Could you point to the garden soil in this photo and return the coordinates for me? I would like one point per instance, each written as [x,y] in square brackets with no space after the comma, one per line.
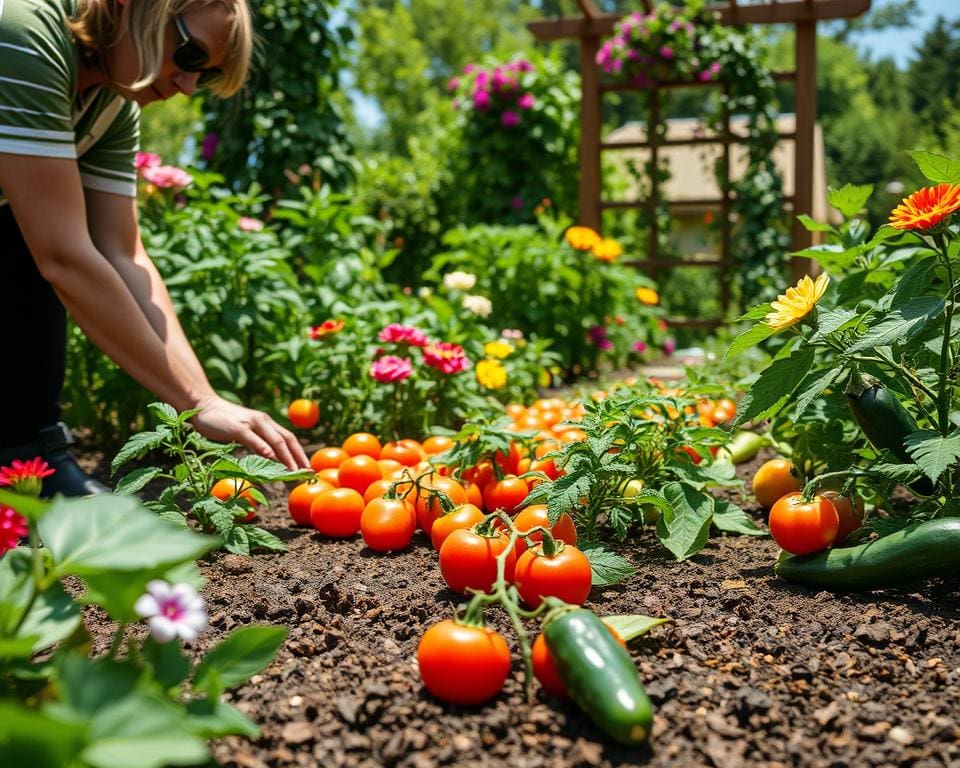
[751,671]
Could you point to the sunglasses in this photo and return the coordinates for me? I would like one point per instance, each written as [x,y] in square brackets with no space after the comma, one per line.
[190,56]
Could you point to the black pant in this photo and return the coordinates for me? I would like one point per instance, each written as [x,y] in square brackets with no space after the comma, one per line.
[33,348]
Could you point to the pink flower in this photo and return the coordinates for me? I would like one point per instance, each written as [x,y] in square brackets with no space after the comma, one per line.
[248,224]
[517,203]
[167,177]
[605,345]
[208,146]
[391,368]
[468,68]
[526,101]
[403,334]
[172,610]
[481,100]
[146,160]
[669,347]
[13,527]
[446,357]
[453,83]
[666,52]
[509,118]
[25,476]
[483,77]
[640,346]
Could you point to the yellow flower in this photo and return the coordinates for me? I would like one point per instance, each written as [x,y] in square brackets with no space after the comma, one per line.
[582,238]
[647,296]
[790,308]
[498,349]
[607,250]
[491,374]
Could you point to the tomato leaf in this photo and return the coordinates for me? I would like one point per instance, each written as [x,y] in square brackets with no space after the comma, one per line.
[258,537]
[813,226]
[138,445]
[136,480]
[730,518]
[933,452]
[901,324]
[630,626]
[684,528]
[774,385]
[608,567]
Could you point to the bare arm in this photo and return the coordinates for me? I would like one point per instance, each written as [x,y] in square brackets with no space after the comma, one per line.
[121,303]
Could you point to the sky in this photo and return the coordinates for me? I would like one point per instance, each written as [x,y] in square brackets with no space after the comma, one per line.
[900,43]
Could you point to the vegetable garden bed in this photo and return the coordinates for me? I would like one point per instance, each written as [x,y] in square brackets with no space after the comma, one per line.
[751,671]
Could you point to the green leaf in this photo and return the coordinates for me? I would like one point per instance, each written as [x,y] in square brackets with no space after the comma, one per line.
[749,338]
[730,518]
[28,506]
[114,533]
[264,539]
[630,626]
[685,527]
[900,325]
[136,480]
[215,719]
[236,541]
[757,312]
[138,445]
[813,226]
[258,469]
[933,452]
[850,199]
[36,739]
[914,281]
[242,654]
[831,320]
[936,167]
[608,567]
[164,412]
[170,667]
[811,388]
[774,386]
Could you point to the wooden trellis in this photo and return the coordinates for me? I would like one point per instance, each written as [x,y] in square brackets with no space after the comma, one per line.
[594,25]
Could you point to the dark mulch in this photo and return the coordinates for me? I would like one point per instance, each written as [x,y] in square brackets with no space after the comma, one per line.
[751,672]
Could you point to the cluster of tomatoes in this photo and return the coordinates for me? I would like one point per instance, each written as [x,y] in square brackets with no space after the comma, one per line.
[800,525]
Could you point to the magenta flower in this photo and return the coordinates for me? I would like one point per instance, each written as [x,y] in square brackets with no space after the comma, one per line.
[453,83]
[669,347]
[517,203]
[249,224]
[640,347]
[481,100]
[13,527]
[144,160]
[509,118]
[167,177]
[25,476]
[666,52]
[526,101]
[597,333]
[173,610]
[391,368]
[208,147]
[483,77]
[446,357]
[403,334]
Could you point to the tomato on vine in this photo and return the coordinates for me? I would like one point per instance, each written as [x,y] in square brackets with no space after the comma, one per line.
[536,515]
[463,517]
[387,525]
[563,572]
[468,559]
[775,478]
[227,488]
[463,664]
[802,527]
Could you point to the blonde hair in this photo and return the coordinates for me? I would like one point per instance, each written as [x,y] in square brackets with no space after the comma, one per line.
[98,25]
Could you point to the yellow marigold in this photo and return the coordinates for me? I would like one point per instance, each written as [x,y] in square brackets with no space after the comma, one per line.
[498,349]
[794,305]
[582,238]
[647,296]
[607,250]
[491,374]
[926,208]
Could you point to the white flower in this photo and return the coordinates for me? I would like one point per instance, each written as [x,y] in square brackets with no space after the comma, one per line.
[173,610]
[459,281]
[424,292]
[479,305]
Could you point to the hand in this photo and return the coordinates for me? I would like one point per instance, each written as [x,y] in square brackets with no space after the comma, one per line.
[226,422]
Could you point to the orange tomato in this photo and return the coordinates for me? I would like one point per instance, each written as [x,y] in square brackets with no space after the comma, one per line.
[389,466]
[377,488]
[405,454]
[506,494]
[803,527]
[301,497]
[536,515]
[328,457]
[330,475]
[233,487]
[437,444]
[336,512]
[362,443]
[303,414]
[464,516]
[387,524]
[358,472]
[775,478]
[428,504]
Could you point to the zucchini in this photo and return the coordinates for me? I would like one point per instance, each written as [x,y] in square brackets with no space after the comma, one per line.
[919,551]
[599,674]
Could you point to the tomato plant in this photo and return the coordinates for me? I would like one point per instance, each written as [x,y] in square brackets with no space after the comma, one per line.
[801,527]
[468,559]
[775,478]
[563,573]
[463,664]
[303,414]
[387,524]
[228,488]
[336,512]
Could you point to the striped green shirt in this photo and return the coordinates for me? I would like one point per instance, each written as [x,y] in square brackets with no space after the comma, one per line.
[41,113]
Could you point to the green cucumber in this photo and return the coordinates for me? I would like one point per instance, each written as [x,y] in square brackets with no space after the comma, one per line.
[919,551]
[599,674]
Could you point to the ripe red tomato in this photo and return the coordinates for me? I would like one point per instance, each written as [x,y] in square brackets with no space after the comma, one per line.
[802,527]
[464,516]
[358,472]
[301,497]
[428,504]
[566,575]
[536,515]
[362,443]
[695,457]
[507,494]
[387,524]
[227,488]
[469,560]
[461,664]
[407,454]
[850,514]
[303,414]
[337,512]
[329,457]
[376,489]
[775,478]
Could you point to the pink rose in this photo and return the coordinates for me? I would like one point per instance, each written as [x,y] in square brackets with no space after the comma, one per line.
[144,160]
[403,334]
[391,368]
[167,177]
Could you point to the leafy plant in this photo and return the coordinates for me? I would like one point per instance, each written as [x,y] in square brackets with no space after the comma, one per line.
[186,498]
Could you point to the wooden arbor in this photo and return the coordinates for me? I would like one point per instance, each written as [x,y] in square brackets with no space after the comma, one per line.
[593,25]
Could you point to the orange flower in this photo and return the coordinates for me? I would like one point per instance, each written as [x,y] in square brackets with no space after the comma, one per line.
[326,328]
[607,250]
[582,238]
[926,208]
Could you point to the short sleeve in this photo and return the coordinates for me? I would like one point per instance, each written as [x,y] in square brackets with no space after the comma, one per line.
[37,81]
[108,166]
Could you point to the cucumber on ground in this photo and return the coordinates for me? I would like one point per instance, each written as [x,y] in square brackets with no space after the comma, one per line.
[599,674]
[919,551]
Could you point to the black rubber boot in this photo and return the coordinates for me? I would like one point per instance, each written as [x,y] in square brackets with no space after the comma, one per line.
[52,446]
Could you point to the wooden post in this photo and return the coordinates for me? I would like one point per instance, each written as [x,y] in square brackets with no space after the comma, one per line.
[590,118]
[806,109]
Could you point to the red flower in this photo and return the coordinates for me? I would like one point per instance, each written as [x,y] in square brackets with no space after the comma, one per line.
[326,328]
[446,357]
[25,476]
[927,207]
[13,527]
